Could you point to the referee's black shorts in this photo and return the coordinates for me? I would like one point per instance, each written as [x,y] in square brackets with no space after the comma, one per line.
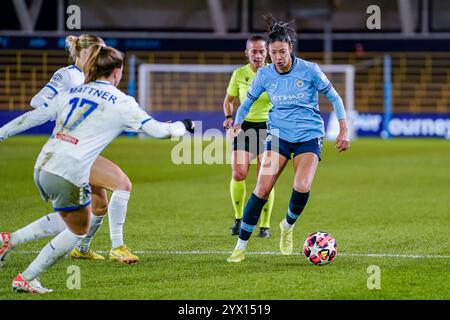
[252,138]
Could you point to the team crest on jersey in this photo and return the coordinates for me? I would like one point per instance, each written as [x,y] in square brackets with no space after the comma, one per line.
[57,77]
[299,83]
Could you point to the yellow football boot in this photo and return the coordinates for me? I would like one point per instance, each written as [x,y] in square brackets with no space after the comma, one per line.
[236,256]
[90,255]
[286,240]
[123,254]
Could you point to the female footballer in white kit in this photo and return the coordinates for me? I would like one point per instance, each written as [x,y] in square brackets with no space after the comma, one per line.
[105,175]
[88,118]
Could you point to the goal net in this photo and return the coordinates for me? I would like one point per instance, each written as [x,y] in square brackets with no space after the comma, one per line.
[194,87]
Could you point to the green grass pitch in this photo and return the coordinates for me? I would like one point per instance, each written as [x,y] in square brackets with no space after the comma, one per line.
[387,203]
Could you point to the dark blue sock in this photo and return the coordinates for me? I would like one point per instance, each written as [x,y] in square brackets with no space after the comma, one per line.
[252,212]
[296,205]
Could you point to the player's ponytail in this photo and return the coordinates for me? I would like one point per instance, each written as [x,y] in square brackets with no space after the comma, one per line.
[101,62]
[279,30]
[91,61]
[74,45]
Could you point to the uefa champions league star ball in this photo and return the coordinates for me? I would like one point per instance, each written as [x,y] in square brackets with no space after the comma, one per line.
[320,248]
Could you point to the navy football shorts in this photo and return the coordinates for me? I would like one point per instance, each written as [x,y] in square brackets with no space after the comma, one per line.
[286,148]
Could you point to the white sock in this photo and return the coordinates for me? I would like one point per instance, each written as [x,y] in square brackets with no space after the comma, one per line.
[286,225]
[49,225]
[117,213]
[56,249]
[96,221]
[241,244]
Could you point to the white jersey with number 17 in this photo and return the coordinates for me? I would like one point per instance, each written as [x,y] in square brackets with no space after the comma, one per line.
[88,118]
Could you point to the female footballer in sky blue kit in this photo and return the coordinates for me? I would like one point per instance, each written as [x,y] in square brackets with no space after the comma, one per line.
[295,126]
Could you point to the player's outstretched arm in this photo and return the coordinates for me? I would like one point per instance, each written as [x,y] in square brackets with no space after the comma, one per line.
[241,113]
[163,130]
[243,110]
[26,121]
[59,81]
[43,96]
[342,140]
[136,118]
[254,91]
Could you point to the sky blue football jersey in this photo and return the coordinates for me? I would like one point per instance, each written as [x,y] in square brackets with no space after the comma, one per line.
[295,115]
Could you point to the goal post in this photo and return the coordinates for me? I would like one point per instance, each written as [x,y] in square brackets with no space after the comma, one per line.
[348,92]
[202,87]
[149,73]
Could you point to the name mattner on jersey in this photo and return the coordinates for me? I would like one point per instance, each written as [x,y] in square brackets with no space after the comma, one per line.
[102,94]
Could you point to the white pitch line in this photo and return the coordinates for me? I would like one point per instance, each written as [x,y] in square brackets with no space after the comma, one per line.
[342,254]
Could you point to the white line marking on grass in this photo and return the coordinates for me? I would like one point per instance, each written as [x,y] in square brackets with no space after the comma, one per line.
[342,254]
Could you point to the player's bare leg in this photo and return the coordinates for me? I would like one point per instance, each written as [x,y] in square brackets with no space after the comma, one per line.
[106,174]
[99,209]
[77,222]
[272,165]
[305,166]
[50,225]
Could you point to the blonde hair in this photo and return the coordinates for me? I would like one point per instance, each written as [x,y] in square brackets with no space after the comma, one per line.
[101,62]
[74,45]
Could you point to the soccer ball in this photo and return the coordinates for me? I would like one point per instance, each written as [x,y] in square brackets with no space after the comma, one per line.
[320,248]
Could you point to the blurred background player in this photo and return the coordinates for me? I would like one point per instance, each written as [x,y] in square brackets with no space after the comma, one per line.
[105,174]
[292,85]
[245,151]
[63,167]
